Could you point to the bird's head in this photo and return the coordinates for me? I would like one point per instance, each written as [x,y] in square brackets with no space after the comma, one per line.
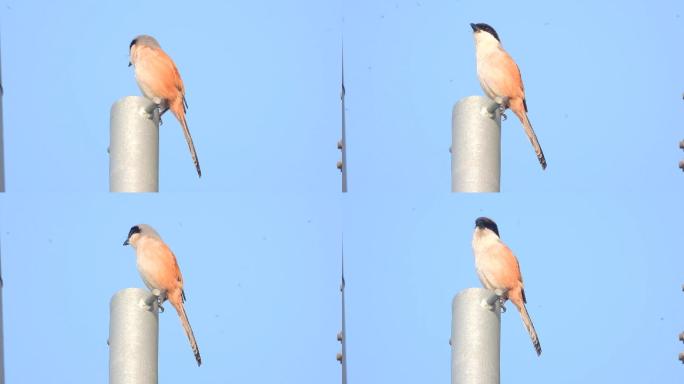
[482,28]
[138,231]
[141,41]
[485,222]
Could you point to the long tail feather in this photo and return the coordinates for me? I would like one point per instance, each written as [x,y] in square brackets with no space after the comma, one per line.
[188,331]
[180,114]
[530,329]
[532,136]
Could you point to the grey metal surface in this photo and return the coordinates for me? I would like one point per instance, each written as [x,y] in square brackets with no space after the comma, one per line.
[475,145]
[475,337]
[134,146]
[133,337]
[342,145]
[343,333]
[681,335]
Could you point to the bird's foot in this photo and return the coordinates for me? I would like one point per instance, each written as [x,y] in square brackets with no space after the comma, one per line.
[160,297]
[503,105]
[160,301]
[158,109]
[161,111]
[501,295]
[150,111]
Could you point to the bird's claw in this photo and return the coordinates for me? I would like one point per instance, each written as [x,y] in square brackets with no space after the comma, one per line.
[161,112]
[503,105]
[160,301]
[502,301]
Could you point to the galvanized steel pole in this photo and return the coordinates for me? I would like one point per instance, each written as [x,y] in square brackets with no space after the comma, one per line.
[133,337]
[134,145]
[681,338]
[475,337]
[342,144]
[342,336]
[475,145]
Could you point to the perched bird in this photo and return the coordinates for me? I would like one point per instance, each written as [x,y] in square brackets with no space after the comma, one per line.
[160,81]
[159,270]
[500,77]
[497,268]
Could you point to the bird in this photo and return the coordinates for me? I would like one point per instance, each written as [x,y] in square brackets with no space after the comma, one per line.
[159,270]
[500,78]
[160,81]
[498,269]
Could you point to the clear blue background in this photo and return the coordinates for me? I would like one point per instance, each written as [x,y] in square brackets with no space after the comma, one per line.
[258,238]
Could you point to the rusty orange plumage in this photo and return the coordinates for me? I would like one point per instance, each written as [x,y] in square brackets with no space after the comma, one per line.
[500,77]
[159,80]
[159,269]
[498,269]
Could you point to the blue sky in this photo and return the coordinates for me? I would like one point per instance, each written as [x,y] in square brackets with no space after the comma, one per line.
[258,238]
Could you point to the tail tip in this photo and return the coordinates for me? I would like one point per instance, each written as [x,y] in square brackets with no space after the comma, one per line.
[542,161]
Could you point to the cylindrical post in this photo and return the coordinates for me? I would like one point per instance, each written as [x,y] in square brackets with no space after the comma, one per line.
[342,336]
[133,337]
[475,337]
[134,145]
[342,145]
[475,145]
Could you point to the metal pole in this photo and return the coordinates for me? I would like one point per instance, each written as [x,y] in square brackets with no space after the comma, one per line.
[134,145]
[2,145]
[133,337]
[681,338]
[342,144]
[475,337]
[342,336]
[475,145]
